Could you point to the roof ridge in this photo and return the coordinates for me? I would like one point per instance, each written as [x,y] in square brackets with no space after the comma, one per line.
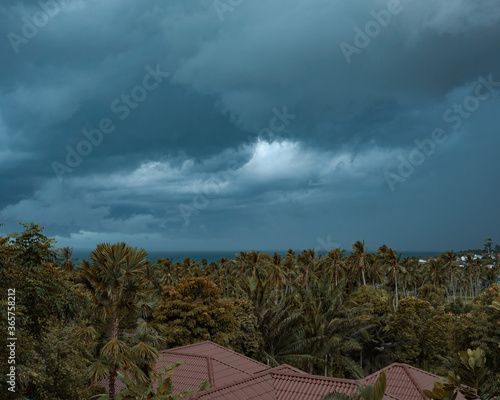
[378,372]
[412,378]
[316,377]
[221,347]
[211,376]
[232,366]
[235,352]
[189,345]
[251,377]
[295,369]
[423,371]
[273,375]
[210,361]
[180,353]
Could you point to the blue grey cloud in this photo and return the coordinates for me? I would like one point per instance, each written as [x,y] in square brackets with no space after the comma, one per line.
[239,125]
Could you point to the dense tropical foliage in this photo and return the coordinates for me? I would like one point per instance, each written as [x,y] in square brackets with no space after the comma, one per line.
[336,314]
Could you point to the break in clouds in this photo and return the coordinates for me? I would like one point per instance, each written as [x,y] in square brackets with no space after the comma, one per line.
[251,124]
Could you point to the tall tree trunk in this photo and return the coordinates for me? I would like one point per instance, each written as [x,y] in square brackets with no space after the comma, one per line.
[113,336]
[396,278]
[112,379]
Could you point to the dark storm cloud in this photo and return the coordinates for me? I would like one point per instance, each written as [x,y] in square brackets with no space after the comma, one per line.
[173,167]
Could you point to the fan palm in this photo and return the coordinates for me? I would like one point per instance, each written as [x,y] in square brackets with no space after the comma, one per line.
[64,255]
[120,294]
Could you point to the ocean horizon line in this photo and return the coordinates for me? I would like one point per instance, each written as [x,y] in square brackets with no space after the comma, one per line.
[216,255]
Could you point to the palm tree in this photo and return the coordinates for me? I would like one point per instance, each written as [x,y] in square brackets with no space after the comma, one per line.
[359,259]
[309,267]
[219,274]
[478,272]
[433,271]
[289,266]
[391,261]
[165,274]
[336,264]
[252,264]
[329,332]
[120,292]
[65,254]
[279,316]
[491,273]
[373,272]
[461,280]
[410,274]
[190,267]
[276,273]
[449,265]
[146,391]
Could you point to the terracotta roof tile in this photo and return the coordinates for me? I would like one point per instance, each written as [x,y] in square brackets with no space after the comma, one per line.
[222,354]
[406,381]
[188,376]
[205,362]
[281,384]
[257,387]
[233,376]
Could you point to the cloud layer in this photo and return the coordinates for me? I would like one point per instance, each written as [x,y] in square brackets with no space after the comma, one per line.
[247,126]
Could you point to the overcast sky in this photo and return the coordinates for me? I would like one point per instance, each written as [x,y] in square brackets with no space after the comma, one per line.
[252,124]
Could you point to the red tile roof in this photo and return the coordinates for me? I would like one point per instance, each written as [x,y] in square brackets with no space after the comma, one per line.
[233,376]
[205,362]
[223,355]
[282,383]
[406,381]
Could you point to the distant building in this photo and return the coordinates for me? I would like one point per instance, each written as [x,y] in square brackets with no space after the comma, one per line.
[475,257]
